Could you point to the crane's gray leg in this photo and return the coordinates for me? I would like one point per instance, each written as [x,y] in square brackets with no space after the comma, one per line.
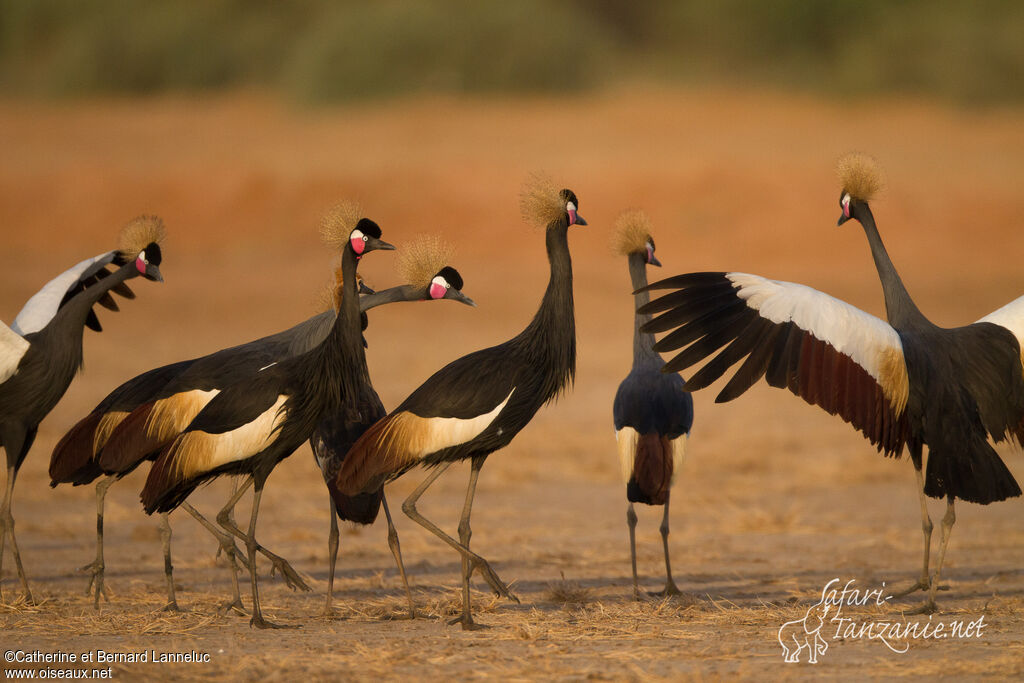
[96,567]
[396,550]
[165,539]
[226,543]
[631,521]
[332,557]
[465,534]
[948,520]
[670,584]
[922,583]
[251,546]
[226,519]
[409,508]
[7,529]
[17,442]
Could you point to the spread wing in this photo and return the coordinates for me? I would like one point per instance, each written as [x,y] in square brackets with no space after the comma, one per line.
[44,304]
[825,351]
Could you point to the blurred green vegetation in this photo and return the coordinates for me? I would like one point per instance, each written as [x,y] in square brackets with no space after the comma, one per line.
[321,50]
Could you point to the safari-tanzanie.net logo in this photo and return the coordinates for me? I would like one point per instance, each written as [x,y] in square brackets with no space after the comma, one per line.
[825,622]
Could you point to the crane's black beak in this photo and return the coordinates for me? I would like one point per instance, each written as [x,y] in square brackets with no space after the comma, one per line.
[153,273]
[376,243]
[653,261]
[842,219]
[365,288]
[456,295]
[579,220]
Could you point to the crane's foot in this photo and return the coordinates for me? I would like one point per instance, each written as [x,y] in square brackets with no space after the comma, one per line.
[290,576]
[921,584]
[172,606]
[240,560]
[466,619]
[96,585]
[259,622]
[233,607]
[497,585]
[670,590]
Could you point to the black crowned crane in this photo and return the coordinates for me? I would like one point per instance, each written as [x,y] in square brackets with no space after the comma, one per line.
[40,357]
[475,405]
[652,412]
[905,381]
[257,421]
[423,265]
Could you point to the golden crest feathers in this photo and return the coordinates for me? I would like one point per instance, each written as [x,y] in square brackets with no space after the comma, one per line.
[420,259]
[860,175]
[540,201]
[632,230]
[338,223]
[139,233]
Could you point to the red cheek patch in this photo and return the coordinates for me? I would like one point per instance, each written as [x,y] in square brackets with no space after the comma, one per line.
[436,291]
[358,245]
[140,265]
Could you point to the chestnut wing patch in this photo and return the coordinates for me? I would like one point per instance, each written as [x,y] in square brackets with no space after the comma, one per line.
[829,353]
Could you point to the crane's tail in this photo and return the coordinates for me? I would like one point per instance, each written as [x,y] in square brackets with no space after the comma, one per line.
[653,469]
[361,508]
[976,474]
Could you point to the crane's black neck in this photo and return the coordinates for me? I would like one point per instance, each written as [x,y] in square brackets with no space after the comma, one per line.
[899,307]
[391,295]
[550,338]
[331,374]
[643,342]
[63,334]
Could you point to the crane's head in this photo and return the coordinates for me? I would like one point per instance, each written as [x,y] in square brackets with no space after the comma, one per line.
[541,204]
[140,242]
[447,284]
[862,179]
[571,207]
[633,236]
[366,238]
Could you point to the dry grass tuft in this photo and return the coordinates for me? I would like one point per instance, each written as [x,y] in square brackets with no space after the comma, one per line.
[421,258]
[632,230]
[860,175]
[540,202]
[338,222]
[139,233]
[566,592]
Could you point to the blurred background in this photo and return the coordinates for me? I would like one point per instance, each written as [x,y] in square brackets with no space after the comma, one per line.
[326,51]
[241,122]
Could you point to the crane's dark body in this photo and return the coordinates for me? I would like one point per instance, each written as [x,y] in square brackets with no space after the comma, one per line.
[652,403]
[963,382]
[529,370]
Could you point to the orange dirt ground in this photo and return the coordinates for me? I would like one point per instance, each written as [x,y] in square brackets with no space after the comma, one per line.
[776,497]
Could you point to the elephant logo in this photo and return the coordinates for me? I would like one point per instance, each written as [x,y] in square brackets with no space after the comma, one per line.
[805,634]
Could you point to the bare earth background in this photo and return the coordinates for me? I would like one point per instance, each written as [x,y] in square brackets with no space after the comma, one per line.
[776,498]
